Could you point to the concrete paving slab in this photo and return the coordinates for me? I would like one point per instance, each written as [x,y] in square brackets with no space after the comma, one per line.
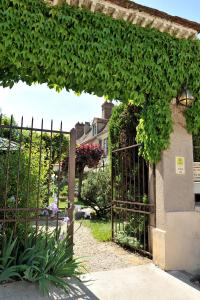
[145,282]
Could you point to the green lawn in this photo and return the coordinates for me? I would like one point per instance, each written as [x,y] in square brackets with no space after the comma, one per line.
[101,230]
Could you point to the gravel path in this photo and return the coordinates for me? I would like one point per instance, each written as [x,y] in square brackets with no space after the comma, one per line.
[102,256]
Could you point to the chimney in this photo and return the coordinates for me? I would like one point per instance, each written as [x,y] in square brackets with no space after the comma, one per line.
[107,110]
[79,130]
[87,127]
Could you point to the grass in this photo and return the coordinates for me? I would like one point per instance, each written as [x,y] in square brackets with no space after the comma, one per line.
[101,230]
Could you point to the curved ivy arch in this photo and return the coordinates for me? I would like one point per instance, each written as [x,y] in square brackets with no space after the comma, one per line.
[72,48]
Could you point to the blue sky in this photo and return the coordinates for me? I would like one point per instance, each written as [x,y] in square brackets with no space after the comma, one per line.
[40,102]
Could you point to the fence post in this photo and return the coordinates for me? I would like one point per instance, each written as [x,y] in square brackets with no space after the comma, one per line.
[71,183]
[112,208]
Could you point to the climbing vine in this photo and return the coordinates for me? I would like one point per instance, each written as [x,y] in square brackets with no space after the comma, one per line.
[72,48]
[122,126]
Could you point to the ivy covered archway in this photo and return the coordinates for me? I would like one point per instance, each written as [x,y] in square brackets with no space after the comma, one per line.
[72,48]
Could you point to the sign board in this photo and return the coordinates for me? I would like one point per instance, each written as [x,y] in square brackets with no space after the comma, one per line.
[196,171]
[180,165]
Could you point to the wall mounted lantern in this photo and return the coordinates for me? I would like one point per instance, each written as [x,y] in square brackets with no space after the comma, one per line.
[185,98]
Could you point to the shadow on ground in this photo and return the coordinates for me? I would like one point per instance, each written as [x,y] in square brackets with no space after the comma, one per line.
[27,291]
[186,278]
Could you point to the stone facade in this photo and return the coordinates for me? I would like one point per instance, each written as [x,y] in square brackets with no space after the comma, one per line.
[176,238]
[97,131]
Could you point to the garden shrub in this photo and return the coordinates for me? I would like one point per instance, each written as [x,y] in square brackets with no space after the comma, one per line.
[44,258]
[64,191]
[96,192]
[29,180]
[133,233]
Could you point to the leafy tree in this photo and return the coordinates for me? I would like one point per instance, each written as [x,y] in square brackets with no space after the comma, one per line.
[23,173]
[122,126]
[96,192]
[122,133]
[23,177]
[86,155]
[6,132]
[58,144]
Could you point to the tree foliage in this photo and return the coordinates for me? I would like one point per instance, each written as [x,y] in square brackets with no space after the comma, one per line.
[86,155]
[56,146]
[72,48]
[96,192]
[19,177]
[122,126]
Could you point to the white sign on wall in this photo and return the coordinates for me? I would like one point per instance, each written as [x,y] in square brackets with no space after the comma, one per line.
[196,171]
[180,165]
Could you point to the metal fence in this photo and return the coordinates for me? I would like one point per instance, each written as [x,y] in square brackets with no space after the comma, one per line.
[131,210]
[34,191]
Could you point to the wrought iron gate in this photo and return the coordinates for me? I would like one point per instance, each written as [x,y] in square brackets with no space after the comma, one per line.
[131,210]
[31,177]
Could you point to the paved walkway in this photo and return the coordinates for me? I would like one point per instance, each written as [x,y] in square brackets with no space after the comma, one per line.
[144,282]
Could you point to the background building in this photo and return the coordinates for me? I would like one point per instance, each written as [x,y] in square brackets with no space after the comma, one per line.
[97,131]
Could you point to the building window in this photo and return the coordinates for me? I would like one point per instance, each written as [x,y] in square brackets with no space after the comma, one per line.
[105,146]
[94,129]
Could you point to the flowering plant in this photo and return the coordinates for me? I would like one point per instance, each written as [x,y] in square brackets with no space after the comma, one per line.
[88,155]
[53,207]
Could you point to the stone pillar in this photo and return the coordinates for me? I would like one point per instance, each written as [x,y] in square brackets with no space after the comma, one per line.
[176,238]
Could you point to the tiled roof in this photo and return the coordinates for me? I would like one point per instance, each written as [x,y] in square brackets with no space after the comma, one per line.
[89,137]
[141,15]
[154,12]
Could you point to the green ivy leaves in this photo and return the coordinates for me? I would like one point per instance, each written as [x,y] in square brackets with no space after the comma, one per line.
[72,48]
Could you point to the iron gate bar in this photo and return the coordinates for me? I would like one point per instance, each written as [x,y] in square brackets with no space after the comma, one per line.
[126,148]
[49,171]
[14,184]
[133,202]
[130,210]
[133,210]
[18,176]
[34,129]
[39,172]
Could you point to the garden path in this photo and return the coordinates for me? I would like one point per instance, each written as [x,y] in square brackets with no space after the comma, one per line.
[102,256]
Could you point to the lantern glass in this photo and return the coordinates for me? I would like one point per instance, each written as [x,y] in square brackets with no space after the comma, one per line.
[185,98]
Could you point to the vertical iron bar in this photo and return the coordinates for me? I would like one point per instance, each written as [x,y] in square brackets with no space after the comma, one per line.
[18,176]
[139,192]
[59,171]
[39,176]
[112,198]
[143,178]
[134,169]
[29,168]
[71,183]
[49,175]
[7,172]
[144,233]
